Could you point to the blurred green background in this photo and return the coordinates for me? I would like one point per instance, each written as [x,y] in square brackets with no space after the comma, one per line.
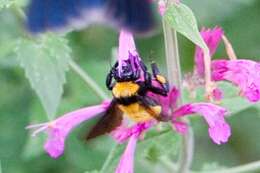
[92,48]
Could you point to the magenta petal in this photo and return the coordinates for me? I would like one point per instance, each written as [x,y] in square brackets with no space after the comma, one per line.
[212,37]
[58,129]
[123,133]
[220,133]
[173,97]
[126,47]
[170,101]
[219,130]
[126,164]
[243,73]
[217,94]
[180,127]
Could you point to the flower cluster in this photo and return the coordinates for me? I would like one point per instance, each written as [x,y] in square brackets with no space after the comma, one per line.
[243,73]
[214,115]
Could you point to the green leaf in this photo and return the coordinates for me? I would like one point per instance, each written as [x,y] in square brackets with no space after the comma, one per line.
[181,18]
[33,147]
[9,3]
[212,167]
[6,3]
[95,171]
[45,62]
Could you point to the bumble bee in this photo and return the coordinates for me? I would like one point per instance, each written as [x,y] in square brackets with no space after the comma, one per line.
[130,96]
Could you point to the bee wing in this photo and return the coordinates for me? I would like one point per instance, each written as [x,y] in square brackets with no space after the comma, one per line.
[55,15]
[107,123]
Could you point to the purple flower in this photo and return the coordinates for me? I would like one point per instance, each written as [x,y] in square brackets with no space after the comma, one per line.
[219,130]
[161,7]
[127,50]
[167,103]
[212,38]
[243,73]
[214,115]
[59,129]
[122,133]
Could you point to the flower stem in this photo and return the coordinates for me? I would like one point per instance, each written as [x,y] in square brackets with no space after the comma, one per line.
[174,77]
[229,49]
[109,158]
[254,166]
[89,81]
[167,162]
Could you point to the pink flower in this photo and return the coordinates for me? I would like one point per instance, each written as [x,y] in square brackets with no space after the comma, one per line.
[127,50]
[212,38]
[219,130]
[123,133]
[243,73]
[217,94]
[161,7]
[167,103]
[59,129]
[126,164]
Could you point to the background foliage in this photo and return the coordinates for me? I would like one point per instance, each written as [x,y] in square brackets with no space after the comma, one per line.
[91,49]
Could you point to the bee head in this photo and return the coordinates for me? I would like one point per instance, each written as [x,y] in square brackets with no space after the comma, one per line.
[127,73]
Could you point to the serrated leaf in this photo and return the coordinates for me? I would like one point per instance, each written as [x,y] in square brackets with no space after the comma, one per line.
[181,18]
[45,62]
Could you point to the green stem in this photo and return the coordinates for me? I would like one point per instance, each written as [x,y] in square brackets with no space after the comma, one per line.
[254,166]
[89,81]
[19,12]
[109,158]
[174,77]
[166,162]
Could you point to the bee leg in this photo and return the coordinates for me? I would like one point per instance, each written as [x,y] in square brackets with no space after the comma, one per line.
[110,76]
[143,66]
[159,78]
[149,104]
[157,90]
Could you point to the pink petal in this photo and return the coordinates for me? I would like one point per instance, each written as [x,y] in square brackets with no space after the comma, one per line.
[220,133]
[61,127]
[219,130]
[243,73]
[123,133]
[126,164]
[126,47]
[180,127]
[217,94]
[166,102]
[212,37]
[161,7]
